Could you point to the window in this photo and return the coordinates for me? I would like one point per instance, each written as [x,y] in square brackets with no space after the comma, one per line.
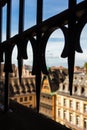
[85,108]
[30,106]
[77,106]
[85,123]
[59,101]
[77,120]
[59,113]
[65,102]
[75,77]
[21,99]
[30,98]
[46,87]
[15,99]
[65,114]
[63,86]
[71,104]
[82,90]
[71,117]
[25,98]
[75,89]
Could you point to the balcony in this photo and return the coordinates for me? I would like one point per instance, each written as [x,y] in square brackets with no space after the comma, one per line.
[23,118]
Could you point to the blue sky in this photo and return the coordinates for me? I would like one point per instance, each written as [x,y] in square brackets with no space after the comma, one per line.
[56,42]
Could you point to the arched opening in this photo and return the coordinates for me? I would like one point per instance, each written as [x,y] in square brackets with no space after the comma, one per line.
[63,86]
[29,62]
[54,49]
[82,90]
[80,58]
[14,55]
[75,89]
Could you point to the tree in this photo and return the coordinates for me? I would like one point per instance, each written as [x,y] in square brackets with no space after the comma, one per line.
[85,65]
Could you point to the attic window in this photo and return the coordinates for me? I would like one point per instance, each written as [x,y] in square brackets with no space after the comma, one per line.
[46,87]
[81,78]
[51,77]
[63,86]
[82,90]
[75,77]
[75,88]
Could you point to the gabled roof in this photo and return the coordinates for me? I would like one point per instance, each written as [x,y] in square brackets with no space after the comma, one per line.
[27,85]
[54,77]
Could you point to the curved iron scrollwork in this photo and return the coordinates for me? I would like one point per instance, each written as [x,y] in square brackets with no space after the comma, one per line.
[75,18]
[22,54]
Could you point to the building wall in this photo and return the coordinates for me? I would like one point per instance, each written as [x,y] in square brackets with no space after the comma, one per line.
[72,110]
[28,100]
[47,105]
[60,106]
[23,93]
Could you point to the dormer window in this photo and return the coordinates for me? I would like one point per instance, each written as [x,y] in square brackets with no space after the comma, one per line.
[46,87]
[75,89]
[82,90]
[63,86]
[75,77]
[81,78]
[51,77]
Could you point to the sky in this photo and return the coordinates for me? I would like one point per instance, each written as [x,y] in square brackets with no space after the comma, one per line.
[56,41]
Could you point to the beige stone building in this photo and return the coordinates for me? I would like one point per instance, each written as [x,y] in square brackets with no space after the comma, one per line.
[23,93]
[72,110]
[47,99]
[55,100]
[50,85]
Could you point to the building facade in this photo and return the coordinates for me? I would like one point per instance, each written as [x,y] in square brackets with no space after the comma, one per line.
[49,87]
[47,99]
[55,100]
[72,110]
[24,92]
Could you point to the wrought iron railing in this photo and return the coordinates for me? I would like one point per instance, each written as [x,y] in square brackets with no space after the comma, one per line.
[75,17]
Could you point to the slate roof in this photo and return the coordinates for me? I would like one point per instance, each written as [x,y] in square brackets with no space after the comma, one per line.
[27,85]
[55,77]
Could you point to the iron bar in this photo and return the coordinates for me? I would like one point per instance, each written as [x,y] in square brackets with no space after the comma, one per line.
[38,39]
[55,22]
[21,28]
[71,55]
[21,16]
[1,55]
[3,2]
[8,29]
[0,24]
